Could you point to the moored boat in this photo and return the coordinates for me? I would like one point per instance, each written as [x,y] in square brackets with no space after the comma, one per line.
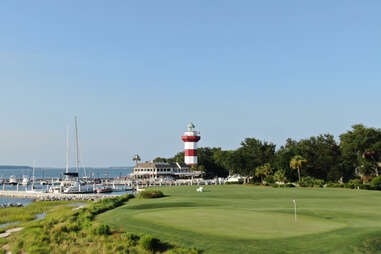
[104,190]
[12,180]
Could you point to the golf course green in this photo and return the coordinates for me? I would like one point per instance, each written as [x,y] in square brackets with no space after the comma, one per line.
[251,219]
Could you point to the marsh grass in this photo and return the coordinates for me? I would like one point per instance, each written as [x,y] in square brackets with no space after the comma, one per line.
[27,213]
[66,231]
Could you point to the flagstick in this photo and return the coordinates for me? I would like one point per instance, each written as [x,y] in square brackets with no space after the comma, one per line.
[294,201]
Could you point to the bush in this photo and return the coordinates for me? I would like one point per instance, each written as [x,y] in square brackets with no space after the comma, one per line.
[306,181]
[131,236]
[151,194]
[318,182]
[274,185]
[147,242]
[102,229]
[365,186]
[269,179]
[376,183]
[289,185]
[355,181]
[335,185]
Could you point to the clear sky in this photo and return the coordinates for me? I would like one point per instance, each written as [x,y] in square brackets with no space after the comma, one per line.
[137,72]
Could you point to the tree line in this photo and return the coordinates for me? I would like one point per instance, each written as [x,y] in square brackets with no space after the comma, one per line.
[357,153]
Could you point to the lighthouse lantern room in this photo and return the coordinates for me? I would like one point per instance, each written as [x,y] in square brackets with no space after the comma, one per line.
[190,138]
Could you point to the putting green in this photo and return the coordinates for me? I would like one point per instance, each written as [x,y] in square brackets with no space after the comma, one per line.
[237,223]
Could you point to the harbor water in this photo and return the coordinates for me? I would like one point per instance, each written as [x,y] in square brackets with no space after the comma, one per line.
[49,173]
[52,173]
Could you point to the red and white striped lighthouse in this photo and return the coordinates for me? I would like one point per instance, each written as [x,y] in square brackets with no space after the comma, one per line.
[190,138]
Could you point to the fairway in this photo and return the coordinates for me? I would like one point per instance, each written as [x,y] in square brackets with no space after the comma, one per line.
[240,224]
[250,219]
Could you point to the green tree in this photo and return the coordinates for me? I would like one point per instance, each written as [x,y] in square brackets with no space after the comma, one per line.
[252,154]
[297,163]
[361,150]
[136,158]
[263,171]
[280,176]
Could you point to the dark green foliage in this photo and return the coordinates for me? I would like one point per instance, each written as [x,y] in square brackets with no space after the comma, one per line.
[269,179]
[361,149]
[102,229]
[306,181]
[131,236]
[376,183]
[147,242]
[151,194]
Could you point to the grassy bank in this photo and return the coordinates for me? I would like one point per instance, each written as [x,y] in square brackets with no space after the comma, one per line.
[67,231]
[249,219]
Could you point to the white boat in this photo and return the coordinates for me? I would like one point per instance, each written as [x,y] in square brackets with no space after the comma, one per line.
[25,180]
[71,183]
[43,182]
[12,180]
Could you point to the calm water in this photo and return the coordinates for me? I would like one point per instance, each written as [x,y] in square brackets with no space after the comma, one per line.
[7,200]
[57,172]
[54,173]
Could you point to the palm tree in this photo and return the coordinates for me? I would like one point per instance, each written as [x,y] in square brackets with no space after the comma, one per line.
[136,158]
[297,162]
[263,171]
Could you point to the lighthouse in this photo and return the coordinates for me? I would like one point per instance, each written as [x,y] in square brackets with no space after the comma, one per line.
[190,138]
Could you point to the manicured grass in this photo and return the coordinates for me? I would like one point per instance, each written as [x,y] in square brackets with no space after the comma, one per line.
[249,219]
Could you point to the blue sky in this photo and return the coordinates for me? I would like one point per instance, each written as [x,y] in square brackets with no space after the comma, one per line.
[136,72]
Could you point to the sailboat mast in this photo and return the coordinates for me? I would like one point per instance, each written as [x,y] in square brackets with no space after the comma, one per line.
[67,148]
[76,145]
[34,168]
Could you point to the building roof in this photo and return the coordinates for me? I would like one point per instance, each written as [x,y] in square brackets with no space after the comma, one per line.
[151,164]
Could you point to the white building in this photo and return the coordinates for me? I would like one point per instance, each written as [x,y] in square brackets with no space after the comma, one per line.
[157,170]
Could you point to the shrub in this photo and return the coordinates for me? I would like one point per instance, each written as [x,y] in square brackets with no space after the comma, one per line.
[131,236]
[102,229]
[289,185]
[269,179]
[318,182]
[280,176]
[355,181]
[151,194]
[274,185]
[335,185]
[306,181]
[376,183]
[147,242]
[365,186]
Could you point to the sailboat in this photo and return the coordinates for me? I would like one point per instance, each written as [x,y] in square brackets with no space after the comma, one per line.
[71,183]
[25,180]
